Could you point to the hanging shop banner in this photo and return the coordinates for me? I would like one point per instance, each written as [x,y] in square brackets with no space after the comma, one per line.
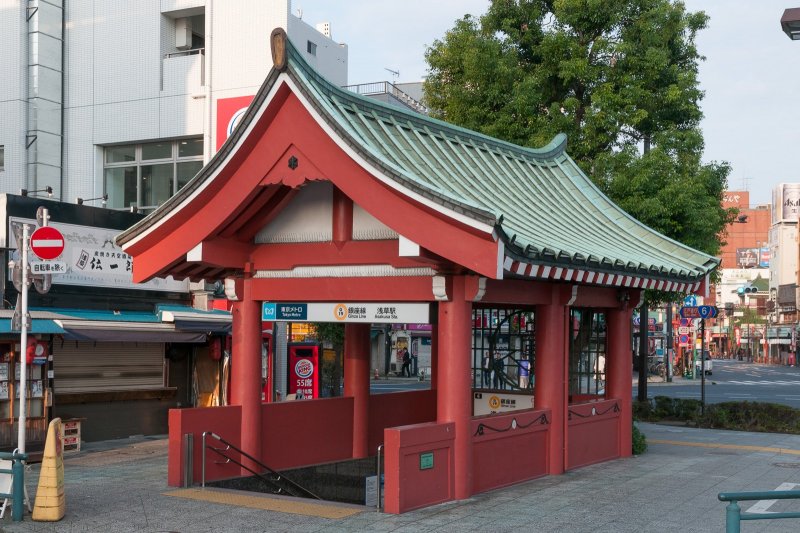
[367,313]
[304,371]
[747,257]
[91,258]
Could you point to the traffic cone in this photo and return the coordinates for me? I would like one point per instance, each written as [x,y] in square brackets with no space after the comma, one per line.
[50,504]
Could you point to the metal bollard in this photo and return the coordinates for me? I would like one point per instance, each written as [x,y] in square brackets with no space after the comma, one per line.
[188,459]
[18,489]
[733,517]
[378,505]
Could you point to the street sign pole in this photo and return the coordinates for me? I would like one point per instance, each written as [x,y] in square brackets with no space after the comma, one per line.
[702,366]
[23,371]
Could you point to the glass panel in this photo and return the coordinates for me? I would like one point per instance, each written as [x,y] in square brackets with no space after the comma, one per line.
[159,150]
[120,154]
[186,171]
[121,187]
[156,184]
[587,355]
[504,349]
[190,147]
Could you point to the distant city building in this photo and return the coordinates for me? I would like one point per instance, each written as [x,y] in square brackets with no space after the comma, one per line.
[129,99]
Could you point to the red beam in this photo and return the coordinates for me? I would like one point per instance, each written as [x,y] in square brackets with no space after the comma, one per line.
[403,289]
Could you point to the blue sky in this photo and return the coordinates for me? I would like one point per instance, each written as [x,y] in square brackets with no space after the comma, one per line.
[751,75]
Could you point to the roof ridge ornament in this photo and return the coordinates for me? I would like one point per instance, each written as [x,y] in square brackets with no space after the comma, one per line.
[277,41]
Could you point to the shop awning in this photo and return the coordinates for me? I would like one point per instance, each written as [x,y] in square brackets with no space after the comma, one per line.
[41,323]
[187,318]
[122,326]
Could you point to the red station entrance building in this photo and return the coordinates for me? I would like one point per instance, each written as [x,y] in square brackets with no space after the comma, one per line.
[324,196]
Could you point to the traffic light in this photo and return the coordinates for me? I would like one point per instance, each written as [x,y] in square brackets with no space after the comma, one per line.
[747,289]
[729,307]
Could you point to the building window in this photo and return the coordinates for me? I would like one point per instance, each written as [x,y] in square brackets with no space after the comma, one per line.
[2,158]
[311,48]
[587,354]
[146,175]
[503,349]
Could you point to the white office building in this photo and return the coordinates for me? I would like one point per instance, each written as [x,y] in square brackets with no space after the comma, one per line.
[129,98]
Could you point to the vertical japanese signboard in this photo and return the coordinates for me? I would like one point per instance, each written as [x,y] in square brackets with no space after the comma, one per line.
[304,360]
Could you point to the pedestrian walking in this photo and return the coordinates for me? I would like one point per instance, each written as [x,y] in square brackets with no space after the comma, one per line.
[524,373]
[499,366]
[406,370]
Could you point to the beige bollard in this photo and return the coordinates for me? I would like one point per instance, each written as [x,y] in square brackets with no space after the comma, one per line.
[50,504]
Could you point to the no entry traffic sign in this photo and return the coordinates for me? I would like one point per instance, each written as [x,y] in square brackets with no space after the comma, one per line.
[47,243]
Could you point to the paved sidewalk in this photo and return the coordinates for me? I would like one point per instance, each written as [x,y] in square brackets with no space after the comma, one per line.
[121,487]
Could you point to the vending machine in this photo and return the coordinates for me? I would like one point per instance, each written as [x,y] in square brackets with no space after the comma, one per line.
[304,370]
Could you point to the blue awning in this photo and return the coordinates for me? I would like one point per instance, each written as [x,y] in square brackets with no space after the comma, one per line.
[38,327]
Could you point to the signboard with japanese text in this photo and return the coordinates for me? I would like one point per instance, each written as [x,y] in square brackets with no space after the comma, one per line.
[367,313]
[489,403]
[93,259]
[303,372]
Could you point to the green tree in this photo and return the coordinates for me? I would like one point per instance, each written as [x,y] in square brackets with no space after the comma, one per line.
[618,76]
[332,335]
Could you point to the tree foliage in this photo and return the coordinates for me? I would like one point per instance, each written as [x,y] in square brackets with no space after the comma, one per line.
[619,77]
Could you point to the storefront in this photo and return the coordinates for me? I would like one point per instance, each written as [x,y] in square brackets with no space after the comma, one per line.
[110,353]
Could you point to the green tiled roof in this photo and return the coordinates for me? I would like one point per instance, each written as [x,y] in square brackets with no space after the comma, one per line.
[546,209]
[543,207]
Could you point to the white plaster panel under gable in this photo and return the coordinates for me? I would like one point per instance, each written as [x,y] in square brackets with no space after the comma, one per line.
[307,218]
[368,228]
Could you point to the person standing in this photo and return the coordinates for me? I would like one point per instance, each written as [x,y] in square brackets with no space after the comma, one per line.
[499,366]
[486,369]
[406,370]
[524,373]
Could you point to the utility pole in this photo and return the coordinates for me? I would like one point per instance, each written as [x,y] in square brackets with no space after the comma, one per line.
[668,351]
[644,326]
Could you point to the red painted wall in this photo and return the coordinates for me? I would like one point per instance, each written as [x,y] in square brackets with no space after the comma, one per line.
[398,409]
[592,433]
[306,432]
[503,455]
[407,487]
[224,421]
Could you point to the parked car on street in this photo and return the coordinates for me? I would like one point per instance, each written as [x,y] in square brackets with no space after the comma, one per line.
[709,366]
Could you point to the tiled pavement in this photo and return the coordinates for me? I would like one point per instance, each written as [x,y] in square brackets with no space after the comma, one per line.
[120,486]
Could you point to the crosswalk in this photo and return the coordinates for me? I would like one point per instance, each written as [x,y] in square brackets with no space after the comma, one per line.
[764,382]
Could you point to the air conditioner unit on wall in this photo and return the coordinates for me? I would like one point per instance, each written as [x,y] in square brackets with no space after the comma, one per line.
[183,33]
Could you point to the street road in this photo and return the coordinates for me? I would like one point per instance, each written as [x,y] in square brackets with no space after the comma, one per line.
[737,381]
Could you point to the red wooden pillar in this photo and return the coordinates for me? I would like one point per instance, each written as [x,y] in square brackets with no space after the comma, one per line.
[356,383]
[550,391]
[434,356]
[619,368]
[246,369]
[454,381]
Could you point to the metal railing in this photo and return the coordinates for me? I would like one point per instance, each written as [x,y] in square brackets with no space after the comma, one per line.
[182,53]
[385,87]
[733,513]
[275,479]
[378,482]
[17,471]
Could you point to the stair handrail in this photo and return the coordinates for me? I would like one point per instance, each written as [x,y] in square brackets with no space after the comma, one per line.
[228,459]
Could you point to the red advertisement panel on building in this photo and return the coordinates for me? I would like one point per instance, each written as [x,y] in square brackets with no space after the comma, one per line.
[229,114]
[303,372]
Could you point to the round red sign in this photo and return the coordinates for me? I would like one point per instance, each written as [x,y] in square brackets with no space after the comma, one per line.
[47,243]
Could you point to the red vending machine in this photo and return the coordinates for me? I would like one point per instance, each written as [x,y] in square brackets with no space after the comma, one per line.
[304,375]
